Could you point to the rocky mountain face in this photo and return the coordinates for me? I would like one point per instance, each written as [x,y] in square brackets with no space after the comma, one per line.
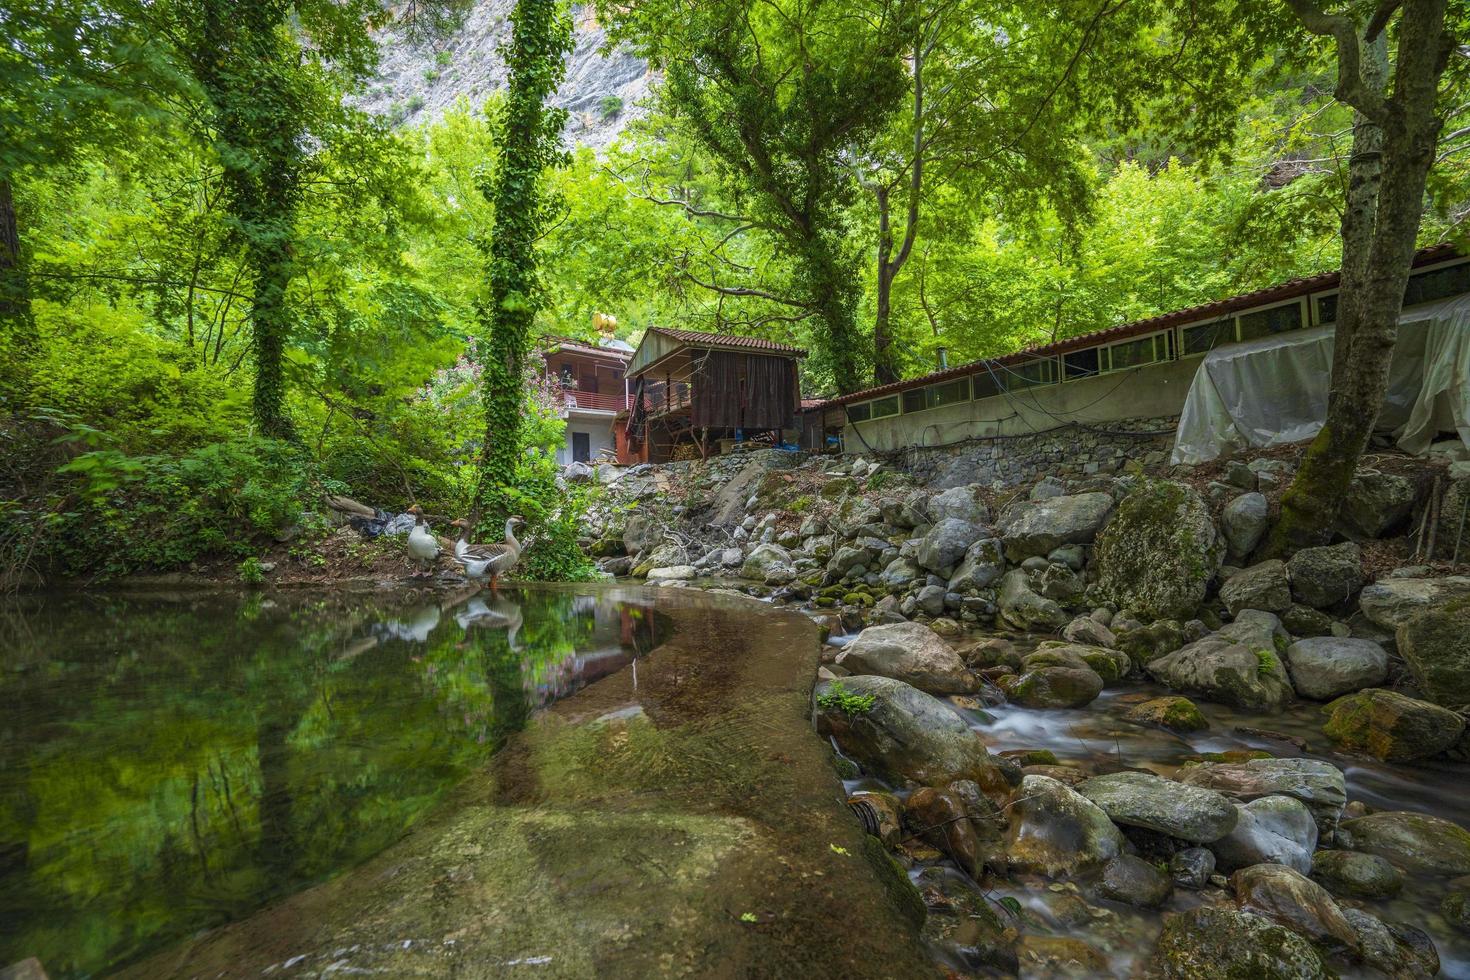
[419,80]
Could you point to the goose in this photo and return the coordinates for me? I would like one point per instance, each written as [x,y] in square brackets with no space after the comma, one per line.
[423,547]
[488,560]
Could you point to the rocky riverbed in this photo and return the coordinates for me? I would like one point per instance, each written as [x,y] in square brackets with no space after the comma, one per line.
[1103,733]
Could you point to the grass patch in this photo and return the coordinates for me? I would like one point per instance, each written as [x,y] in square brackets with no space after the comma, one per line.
[839,698]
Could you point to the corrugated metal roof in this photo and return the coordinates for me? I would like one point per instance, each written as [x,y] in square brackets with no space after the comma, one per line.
[1291,289]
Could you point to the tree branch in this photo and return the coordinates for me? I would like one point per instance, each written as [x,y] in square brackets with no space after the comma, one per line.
[1351,87]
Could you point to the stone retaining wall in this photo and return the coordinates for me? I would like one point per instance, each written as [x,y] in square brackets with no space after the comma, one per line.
[1067,451]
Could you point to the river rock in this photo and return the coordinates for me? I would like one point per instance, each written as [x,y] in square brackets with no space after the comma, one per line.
[1213,942]
[1130,879]
[1060,958]
[1023,609]
[1389,726]
[1085,629]
[1302,620]
[769,563]
[1036,527]
[1375,503]
[1318,784]
[1173,712]
[672,573]
[964,924]
[940,818]
[1055,830]
[1110,665]
[1354,874]
[1244,522]
[912,653]
[907,735]
[1326,576]
[1390,602]
[898,573]
[1145,644]
[983,563]
[1393,948]
[1455,906]
[1295,901]
[1413,841]
[1054,687]
[1435,643]
[1239,666]
[1272,829]
[1191,868]
[1324,667]
[1262,586]
[945,545]
[641,533]
[1159,551]
[1138,799]
[962,503]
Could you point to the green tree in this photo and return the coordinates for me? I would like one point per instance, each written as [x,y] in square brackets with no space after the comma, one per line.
[530,144]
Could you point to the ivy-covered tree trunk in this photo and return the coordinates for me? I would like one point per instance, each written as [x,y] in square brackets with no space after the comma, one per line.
[1394,143]
[270,327]
[530,141]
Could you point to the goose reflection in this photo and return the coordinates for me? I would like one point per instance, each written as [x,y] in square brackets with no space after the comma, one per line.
[492,612]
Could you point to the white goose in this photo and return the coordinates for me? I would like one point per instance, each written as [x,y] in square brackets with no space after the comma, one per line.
[423,547]
[491,561]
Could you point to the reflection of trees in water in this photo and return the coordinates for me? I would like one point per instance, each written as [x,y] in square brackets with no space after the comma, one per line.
[176,764]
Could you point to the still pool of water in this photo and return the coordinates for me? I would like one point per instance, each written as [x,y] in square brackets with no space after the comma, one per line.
[170,763]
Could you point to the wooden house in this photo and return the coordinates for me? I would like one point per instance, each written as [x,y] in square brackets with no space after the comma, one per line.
[593,394]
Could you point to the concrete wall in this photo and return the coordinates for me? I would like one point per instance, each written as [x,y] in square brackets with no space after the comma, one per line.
[598,429]
[1152,392]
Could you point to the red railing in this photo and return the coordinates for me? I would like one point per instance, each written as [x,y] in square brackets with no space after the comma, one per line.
[599,401]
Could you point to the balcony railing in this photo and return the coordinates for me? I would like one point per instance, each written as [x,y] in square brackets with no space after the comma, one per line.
[597,401]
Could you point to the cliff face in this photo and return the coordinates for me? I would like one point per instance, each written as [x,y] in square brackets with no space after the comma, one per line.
[418,80]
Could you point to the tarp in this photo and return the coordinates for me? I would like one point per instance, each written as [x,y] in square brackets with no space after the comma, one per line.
[1273,391]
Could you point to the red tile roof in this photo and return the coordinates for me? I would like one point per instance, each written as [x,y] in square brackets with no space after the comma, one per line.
[1291,289]
[574,346]
[706,339]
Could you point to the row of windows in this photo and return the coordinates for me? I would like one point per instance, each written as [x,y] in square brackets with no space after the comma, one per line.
[1168,345]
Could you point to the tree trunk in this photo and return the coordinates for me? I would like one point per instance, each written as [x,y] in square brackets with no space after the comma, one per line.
[884,371]
[1392,156]
[270,326]
[15,295]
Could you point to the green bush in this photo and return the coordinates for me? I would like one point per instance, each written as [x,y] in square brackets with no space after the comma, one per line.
[611,106]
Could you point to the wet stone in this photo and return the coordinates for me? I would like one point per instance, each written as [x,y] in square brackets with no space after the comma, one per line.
[1130,879]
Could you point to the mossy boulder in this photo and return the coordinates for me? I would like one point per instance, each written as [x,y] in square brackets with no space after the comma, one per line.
[1435,643]
[1357,875]
[1219,943]
[1416,842]
[1146,643]
[1172,712]
[1054,687]
[1159,551]
[1389,726]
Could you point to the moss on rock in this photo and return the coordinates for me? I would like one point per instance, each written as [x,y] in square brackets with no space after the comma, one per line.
[1159,551]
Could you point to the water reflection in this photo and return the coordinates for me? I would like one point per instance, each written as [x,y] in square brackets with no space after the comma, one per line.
[166,765]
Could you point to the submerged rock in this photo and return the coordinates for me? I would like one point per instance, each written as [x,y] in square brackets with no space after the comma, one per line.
[912,653]
[1061,957]
[1219,943]
[1055,830]
[1159,551]
[1394,949]
[1324,667]
[1318,784]
[906,735]
[1297,902]
[1173,712]
[1389,726]
[1435,643]
[1271,830]
[1413,841]
[1357,875]
[1137,799]
[1037,527]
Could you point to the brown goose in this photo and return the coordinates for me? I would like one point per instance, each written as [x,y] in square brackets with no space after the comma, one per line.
[491,561]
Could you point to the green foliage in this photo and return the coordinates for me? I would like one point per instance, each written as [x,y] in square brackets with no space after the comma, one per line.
[1266,662]
[838,698]
[611,106]
[251,573]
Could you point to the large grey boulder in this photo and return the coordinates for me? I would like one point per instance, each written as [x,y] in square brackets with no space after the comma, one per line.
[1390,726]
[1318,784]
[1324,667]
[1085,629]
[1435,643]
[1054,687]
[1159,551]
[1244,522]
[1416,842]
[1037,527]
[946,543]
[1239,666]
[769,563]
[1055,830]
[962,503]
[912,653]
[1216,942]
[906,735]
[899,573]
[1023,609]
[1376,503]
[1272,829]
[641,533]
[1390,602]
[1326,576]
[1287,896]
[1139,799]
[984,562]
[1261,586]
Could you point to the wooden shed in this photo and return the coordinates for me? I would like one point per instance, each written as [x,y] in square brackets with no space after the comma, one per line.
[698,394]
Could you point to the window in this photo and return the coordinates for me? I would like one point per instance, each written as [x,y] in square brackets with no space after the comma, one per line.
[1327,309]
[986,384]
[1205,337]
[1039,371]
[860,412]
[1426,287]
[884,407]
[1264,323]
[1132,353]
[913,400]
[1081,363]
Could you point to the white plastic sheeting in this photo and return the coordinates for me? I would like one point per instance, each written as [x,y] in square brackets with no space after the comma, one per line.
[1273,391]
